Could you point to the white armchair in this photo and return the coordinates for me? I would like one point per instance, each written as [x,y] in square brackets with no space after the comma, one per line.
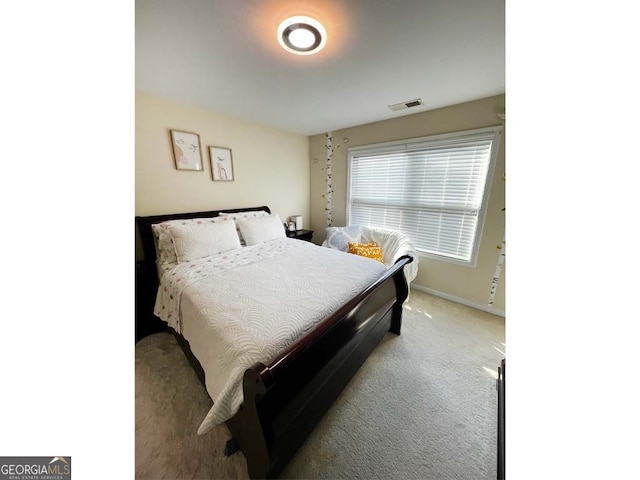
[393,244]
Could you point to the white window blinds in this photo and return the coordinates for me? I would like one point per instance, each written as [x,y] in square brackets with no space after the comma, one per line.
[430,189]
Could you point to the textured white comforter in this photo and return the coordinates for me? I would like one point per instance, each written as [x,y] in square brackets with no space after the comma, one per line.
[245,306]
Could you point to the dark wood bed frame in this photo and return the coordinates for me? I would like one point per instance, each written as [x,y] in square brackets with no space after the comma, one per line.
[285,399]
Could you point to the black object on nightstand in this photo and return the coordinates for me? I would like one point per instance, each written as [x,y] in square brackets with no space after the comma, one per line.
[301,234]
[146,289]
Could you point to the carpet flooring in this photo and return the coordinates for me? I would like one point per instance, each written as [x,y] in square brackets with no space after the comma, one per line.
[423,406]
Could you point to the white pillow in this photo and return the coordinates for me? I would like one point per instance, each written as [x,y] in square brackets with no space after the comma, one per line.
[244,216]
[339,237]
[165,250]
[261,229]
[198,240]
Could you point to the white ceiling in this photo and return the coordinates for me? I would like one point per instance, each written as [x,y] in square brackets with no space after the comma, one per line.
[222,55]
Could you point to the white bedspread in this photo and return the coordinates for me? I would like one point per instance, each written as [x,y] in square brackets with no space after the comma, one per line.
[245,306]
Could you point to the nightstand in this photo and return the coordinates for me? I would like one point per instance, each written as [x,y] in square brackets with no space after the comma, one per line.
[146,289]
[301,234]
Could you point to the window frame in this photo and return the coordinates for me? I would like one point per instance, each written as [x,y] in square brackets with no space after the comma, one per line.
[426,141]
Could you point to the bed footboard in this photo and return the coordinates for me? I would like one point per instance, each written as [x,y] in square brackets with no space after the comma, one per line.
[284,400]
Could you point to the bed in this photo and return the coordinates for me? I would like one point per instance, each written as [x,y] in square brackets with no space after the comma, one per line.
[272,375]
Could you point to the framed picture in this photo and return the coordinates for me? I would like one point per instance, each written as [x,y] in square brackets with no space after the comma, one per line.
[186,150]
[221,164]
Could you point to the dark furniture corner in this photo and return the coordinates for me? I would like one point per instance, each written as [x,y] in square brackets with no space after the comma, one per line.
[301,234]
[501,419]
[146,288]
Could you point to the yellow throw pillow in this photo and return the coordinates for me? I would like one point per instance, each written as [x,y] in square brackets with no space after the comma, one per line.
[369,250]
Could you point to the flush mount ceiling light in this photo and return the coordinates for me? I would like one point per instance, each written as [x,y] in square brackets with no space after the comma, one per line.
[302,35]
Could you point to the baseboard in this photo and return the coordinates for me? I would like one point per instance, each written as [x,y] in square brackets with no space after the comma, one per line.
[463,301]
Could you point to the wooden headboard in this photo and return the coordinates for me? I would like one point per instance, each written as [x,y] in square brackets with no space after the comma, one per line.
[146,234]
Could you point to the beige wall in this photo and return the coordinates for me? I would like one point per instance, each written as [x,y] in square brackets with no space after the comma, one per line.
[270,166]
[458,282]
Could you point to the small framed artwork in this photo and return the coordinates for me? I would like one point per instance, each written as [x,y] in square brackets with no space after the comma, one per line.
[221,163]
[186,150]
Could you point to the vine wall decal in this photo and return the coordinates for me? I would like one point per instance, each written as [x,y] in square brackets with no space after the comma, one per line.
[499,265]
[497,274]
[329,193]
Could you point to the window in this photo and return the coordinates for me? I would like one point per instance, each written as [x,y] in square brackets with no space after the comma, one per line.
[432,189]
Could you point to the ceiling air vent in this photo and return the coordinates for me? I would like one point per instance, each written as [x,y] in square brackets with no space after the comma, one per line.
[407,104]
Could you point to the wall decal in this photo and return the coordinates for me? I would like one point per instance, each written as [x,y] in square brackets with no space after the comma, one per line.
[329,195]
[497,274]
[499,265]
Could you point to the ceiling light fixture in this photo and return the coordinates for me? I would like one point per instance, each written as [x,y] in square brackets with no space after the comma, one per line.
[302,35]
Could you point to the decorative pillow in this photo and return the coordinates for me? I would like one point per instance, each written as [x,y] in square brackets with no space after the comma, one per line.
[244,216]
[339,237]
[198,240]
[165,250]
[369,250]
[261,229]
